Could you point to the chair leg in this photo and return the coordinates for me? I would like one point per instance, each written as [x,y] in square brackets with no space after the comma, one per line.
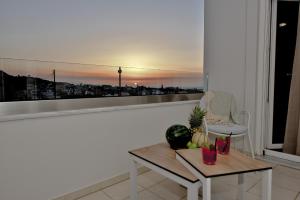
[251,146]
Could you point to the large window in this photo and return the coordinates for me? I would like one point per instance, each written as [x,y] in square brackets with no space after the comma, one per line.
[69,49]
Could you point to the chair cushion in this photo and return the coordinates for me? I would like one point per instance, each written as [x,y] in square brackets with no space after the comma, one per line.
[227,128]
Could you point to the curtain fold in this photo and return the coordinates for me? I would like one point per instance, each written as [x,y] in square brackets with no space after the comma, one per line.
[292,133]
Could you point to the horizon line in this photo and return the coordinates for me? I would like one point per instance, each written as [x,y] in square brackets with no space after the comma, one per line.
[93,84]
[89,64]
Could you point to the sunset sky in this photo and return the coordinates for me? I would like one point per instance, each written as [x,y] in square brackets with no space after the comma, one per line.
[149,34]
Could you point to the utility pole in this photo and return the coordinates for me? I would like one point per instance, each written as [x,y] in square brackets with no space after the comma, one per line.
[54,83]
[120,81]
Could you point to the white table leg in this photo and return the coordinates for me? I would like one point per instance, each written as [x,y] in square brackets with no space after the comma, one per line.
[241,183]
[192,192]
[206,185]
[133,180]
[267,185]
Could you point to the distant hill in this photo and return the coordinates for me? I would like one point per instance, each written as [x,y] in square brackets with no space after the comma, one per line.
[21,88]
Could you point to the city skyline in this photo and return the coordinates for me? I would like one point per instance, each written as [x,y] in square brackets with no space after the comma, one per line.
[28,88]
[85,73]
[136,34]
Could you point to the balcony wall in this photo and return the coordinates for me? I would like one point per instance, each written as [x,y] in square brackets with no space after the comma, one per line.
[47,157]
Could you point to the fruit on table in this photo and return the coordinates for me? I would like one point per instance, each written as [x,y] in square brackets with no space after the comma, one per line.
[199,137]
[178,136]
[196,117]
[192,145]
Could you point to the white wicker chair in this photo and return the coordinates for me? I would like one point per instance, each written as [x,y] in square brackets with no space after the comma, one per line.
[237,129]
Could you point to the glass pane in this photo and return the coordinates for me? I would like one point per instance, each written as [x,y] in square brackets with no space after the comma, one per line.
[23,80]
[158,44]
[287,22]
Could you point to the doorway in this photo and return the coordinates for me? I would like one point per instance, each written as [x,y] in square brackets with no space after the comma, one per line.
[283,41]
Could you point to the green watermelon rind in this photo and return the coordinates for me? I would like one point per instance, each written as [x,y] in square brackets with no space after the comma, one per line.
[178,135]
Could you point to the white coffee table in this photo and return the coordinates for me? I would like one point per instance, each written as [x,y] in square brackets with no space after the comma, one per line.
[161,159]
[234,163]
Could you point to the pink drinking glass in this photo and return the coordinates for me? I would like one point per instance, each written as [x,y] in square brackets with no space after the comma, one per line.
[223,146]
[209,156]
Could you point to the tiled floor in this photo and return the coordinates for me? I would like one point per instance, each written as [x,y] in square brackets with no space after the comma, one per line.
[152,186]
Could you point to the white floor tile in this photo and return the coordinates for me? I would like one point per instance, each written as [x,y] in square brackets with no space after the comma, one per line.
[169,190]
[250,180]
[287,171]
[250,196]
[146,195]
[278,193]
[96,196]
[119,191]
[222,191]
[286,182]
[149,179]
[185,198]
[152,186]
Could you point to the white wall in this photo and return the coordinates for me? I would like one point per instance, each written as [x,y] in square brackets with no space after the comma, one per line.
[225,45]
[231,28]
[48,157]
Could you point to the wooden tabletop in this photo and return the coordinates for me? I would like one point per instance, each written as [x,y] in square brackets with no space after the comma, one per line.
[164,157]
[234,163]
